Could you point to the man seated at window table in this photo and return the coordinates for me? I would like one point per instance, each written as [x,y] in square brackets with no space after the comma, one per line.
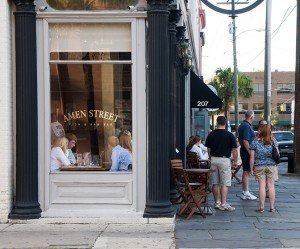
[121,158]
[72,142]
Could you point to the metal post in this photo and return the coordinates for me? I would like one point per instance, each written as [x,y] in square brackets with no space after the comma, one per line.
[235,72]
[267,73]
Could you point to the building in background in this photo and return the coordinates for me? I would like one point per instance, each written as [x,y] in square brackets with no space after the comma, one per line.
[282,98]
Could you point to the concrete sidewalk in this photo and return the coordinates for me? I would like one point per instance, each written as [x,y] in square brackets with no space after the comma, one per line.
[245,228]
[87,233]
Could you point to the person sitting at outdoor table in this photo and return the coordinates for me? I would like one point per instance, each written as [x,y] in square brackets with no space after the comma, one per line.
[120,157]
[125,140]
[71,144]
[58,156]
[195,146]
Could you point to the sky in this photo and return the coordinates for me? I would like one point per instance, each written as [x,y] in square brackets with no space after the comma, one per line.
[217,51]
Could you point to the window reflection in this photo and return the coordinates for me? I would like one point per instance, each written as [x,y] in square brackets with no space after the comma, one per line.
[93,102]
[91,4]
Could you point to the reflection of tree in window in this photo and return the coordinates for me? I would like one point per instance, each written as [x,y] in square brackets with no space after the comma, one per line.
[91,4]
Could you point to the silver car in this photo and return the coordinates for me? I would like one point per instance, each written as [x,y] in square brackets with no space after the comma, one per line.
[285,141]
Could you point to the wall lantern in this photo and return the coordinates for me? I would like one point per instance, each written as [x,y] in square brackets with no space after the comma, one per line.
[185,55]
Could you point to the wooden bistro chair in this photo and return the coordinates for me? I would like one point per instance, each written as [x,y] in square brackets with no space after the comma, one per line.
[234,171]
[192,191]
[193,162]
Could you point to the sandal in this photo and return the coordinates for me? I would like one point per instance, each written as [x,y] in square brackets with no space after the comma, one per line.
[272,210]
[260,210]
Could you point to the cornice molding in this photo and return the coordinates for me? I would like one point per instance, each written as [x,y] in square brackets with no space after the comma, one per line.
[25,5]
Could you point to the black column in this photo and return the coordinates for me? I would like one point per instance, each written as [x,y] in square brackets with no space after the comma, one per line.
[26,205]
[180,104]
[173,19]
[158,170]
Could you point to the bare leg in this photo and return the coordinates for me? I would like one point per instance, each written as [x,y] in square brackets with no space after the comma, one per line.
[245,180]
[271,187]
[216,192]
[262,192]
[224,191]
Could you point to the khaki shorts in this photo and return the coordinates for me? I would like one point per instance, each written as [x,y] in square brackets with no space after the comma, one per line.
[222,166]
[263,172]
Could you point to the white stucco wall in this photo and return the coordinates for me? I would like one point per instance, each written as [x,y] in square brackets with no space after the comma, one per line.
[6,111]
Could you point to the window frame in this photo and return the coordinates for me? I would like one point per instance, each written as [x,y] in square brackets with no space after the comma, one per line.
[138,29]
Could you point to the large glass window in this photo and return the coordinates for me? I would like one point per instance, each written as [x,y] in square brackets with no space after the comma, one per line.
[91,88]
[258,87]
[258,108]
[284,108]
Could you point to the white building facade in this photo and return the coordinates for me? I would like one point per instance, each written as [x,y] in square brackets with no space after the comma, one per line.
[97,70]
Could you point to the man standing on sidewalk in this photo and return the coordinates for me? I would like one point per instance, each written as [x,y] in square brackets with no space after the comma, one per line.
[221,143]
[246,136]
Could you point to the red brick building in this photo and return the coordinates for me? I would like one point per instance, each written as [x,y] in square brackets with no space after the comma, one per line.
[283,94]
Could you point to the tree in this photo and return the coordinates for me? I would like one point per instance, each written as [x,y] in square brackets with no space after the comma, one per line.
[297,96]
[223,82]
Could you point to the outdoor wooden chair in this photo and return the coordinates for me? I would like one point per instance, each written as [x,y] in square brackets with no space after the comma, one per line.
[234,171]
[193,162]
[191,189]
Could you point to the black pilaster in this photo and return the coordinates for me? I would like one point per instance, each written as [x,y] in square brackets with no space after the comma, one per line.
[173,19]
[158,170]
[26,205]
[180,104]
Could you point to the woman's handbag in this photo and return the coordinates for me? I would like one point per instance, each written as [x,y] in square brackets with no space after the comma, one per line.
[275,153]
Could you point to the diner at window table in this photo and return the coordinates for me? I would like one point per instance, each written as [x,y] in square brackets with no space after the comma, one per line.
[121,158]
[71,144]
[58,156]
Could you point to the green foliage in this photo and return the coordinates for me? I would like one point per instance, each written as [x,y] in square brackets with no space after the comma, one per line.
[223,82]
[274,117]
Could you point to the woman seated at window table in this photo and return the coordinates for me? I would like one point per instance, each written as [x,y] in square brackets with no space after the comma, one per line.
[71,144]
[195,145]
[58,156]
[125,140]
[120,157]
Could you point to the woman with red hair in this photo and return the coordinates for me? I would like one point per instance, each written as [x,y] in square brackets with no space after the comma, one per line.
[263,166]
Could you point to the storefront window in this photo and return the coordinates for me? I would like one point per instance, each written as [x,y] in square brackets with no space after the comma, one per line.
[91,4]
[91,89]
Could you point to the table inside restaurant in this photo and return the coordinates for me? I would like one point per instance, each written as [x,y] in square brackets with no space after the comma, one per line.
[104,167]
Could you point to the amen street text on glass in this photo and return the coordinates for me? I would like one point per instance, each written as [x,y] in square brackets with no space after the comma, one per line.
[90,114]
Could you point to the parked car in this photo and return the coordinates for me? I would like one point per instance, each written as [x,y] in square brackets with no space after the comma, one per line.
[285,141]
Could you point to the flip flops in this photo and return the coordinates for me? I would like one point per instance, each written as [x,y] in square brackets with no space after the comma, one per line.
[260,210]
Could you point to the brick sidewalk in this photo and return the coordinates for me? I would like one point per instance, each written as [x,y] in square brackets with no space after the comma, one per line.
[245,228]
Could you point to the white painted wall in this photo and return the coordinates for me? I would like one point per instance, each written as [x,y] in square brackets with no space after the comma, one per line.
[6,111]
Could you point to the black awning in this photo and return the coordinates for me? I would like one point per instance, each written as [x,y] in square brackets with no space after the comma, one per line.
[201,95]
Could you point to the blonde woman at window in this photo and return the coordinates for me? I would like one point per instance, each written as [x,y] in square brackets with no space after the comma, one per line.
[121,158]
[125,140]
[58,156]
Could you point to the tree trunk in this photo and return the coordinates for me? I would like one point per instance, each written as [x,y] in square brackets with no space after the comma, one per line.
[297,97]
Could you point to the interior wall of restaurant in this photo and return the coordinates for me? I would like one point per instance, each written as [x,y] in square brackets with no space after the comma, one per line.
[6,110]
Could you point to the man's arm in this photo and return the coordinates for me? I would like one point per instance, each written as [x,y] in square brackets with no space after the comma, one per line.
[246,145]
[208,151]
[252,153]
[234,156]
